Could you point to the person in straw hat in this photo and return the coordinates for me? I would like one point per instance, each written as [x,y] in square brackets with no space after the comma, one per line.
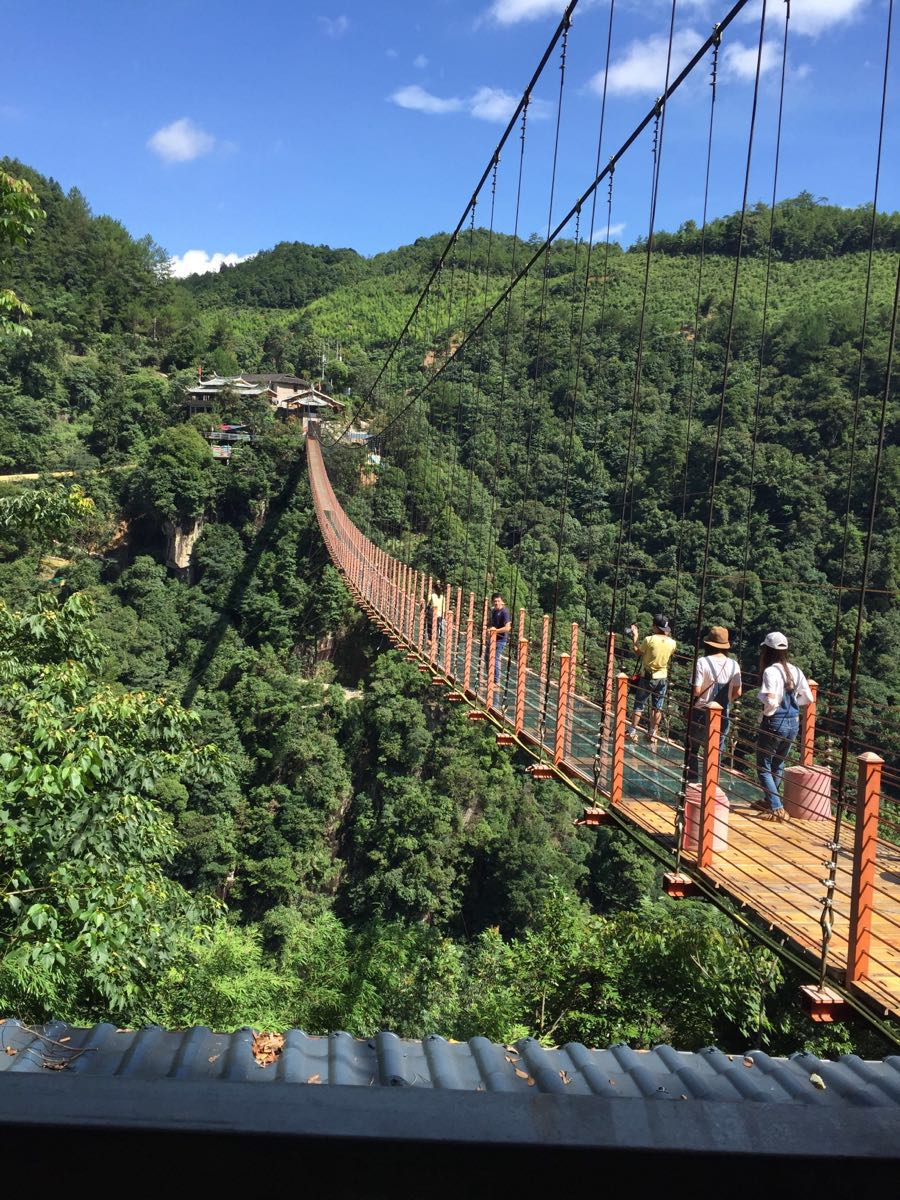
[717,679]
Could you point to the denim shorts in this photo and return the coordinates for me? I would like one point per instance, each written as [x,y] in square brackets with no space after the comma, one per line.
[650,689]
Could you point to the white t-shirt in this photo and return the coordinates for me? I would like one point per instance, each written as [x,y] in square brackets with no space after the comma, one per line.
[712,670]
[436,600]
[772,691]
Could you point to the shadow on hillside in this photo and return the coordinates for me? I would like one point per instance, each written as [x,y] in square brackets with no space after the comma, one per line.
[261,543]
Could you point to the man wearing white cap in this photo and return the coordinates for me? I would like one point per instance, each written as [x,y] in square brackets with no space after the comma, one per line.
[785,690]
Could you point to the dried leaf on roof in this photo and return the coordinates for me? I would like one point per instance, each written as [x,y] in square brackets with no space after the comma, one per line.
[266,1047]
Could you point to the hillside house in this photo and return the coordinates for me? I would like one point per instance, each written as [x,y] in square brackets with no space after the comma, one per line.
[290,396]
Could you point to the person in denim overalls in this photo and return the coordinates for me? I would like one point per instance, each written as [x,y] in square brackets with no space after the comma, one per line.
[784,691]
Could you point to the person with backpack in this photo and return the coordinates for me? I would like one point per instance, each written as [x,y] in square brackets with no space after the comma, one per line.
[785,690]
[655,650]
[717,679]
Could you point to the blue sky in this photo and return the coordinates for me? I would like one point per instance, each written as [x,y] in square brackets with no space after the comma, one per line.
[222,128]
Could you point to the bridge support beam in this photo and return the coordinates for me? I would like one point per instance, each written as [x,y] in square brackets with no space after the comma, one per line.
[562,710]
[808,727]
[865,845]
[570,701]
[521,680]
[491,668]
[710,784]
[470,620]
[545,641]
[620,717]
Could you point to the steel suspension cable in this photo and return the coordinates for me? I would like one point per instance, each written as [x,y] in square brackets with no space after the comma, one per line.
[720,424]
[863,337]
[600,340]
[762,337]
[479,391]
[695,345]
[501,400]
[537,381]
[827,917]
[628,481]
[540,250]
[562,27]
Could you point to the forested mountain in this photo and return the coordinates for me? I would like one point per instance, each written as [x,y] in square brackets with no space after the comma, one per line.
[289,275]
[324,844]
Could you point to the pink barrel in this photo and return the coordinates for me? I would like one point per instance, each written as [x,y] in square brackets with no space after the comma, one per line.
[692,819]
[807,793]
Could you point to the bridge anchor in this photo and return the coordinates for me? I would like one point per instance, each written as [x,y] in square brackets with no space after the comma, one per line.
[541,771]
[821,1004]
[592,815]
[678,886]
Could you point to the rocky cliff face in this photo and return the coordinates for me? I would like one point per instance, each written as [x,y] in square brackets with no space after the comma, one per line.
[180,541]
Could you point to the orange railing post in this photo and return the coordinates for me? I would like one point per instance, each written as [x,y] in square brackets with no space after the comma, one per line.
[610,672]
[865,844]
[710,785]
[491,667]
[570,699]
[545,639]
[808,727]
[562,710]
[449,616]
[620,717]
[521,678]
[470,620]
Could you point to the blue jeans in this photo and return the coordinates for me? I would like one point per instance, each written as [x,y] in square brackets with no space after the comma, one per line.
[697,738]
[649,689]
[502,639]
[774,740]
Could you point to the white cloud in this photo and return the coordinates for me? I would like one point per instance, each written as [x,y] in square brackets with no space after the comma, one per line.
[809,17]
[492,104]
[420,61]
[615,229]
[419,100]
[643,66]
[510,12]
[485,103]
[198,262]
[182,141]
[813,17]
[334,26]
[741,59]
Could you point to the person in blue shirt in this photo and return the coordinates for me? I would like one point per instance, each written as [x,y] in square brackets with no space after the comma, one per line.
[500,620]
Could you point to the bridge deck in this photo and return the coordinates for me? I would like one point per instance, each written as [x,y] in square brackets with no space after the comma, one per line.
[777,871]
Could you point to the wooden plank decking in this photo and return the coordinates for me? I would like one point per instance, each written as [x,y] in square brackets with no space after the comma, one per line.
[777,871]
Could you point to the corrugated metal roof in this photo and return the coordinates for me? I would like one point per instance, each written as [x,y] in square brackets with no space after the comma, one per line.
[479,1065]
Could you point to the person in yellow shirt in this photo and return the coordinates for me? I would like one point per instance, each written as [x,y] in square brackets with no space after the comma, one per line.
[655,650]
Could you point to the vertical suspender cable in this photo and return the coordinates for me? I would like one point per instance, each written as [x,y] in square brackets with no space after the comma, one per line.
[720,424]
[827,916]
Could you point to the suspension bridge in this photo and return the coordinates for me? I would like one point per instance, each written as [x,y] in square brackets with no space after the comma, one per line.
[823,889]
